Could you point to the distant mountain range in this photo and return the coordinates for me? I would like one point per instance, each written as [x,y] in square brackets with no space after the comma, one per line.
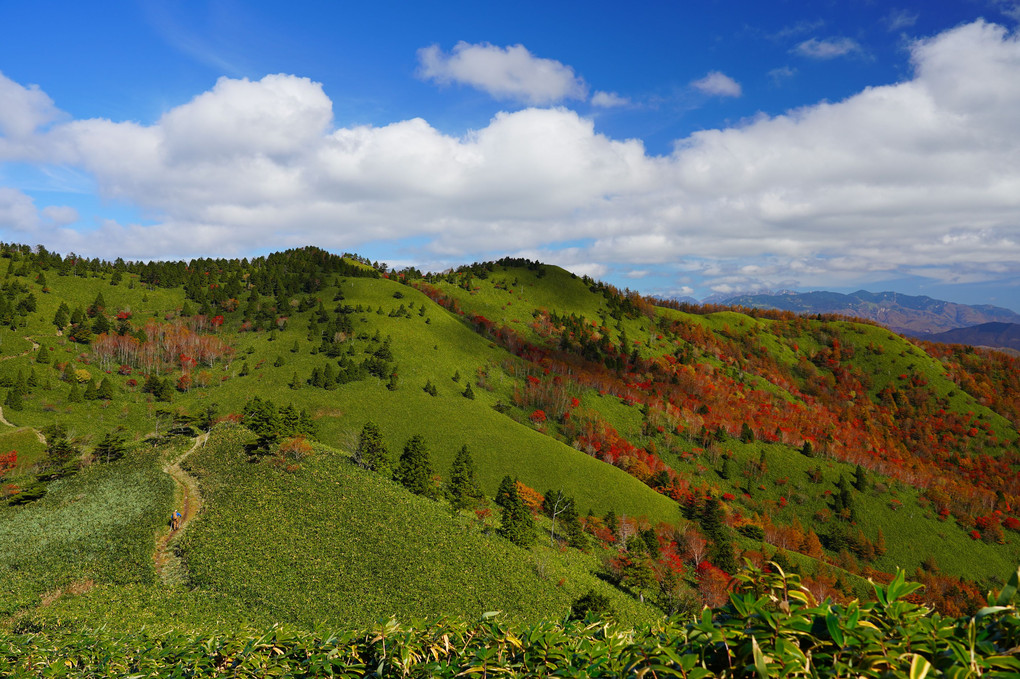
[999,335]
[907,314]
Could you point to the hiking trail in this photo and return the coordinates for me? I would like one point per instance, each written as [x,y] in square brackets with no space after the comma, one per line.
[189,504]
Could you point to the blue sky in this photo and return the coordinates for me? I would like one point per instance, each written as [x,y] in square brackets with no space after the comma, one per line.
[674,148]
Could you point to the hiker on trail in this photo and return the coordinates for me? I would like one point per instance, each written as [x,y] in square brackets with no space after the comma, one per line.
[175,521]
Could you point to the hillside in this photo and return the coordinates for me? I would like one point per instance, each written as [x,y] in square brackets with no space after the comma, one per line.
[915,315]
[654,448]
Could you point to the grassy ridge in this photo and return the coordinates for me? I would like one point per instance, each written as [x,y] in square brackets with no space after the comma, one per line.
[333,542]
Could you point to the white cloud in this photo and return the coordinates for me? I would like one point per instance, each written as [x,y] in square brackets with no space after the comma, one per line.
[828,48]
[609,100]
[900,18]
[920,177]
[19,213]
[504,72]
[718,84]
[24,109]
[779,75]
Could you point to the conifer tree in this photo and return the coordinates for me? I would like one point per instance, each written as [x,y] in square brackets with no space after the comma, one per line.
[468,392]
[91,393]
[516,524]
[14,400]
[74,395]
[414,470]
[712,522]
[462,487]
[43,356]
[861,479]
[506,486]
[62,317]
[109,448]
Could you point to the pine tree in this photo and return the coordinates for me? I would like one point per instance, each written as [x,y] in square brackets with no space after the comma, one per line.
[506,487]
[14,400]
[712,522]
[611,522]
[516,524]
[724,471]
[262,417]
[91,393]
[101,324]
[110,448]
[861,479]
[468,392]
[462,487]
[43,357]
[61,318]
[414,470]
[746,433]
[74,395]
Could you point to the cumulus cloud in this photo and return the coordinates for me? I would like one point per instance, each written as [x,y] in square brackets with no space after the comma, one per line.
[18,213]
[828,48]
[504,72]
[24,108]
[718,84]
[609,100]
[920,177]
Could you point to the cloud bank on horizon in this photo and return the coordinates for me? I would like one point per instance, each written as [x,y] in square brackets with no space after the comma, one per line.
[916,178]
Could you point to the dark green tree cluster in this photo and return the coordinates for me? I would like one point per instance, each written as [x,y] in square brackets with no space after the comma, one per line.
[161,389]
[271,423]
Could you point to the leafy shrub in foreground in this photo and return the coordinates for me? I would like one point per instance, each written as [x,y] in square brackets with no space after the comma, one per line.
[770,627]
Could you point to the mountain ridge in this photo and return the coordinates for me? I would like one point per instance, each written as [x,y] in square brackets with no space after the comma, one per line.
[911,314]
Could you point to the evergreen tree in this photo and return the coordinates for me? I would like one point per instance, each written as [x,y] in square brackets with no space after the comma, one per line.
[611,522]
[101,324]
[43,357]
[110,448]
[393,384]
[206,418]
[262,417]
[861,479]
[414,470]
[724,471]
[91,393]
[74,395]
[516,523]
[714,526]
[468,392]
[14,400]
[746,433]
[164,392]
[62,317]
[506,486]
[61,454]
[462,487]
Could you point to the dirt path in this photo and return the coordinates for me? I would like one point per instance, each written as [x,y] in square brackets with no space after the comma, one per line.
[188,505]
[3,420]
[35,347]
